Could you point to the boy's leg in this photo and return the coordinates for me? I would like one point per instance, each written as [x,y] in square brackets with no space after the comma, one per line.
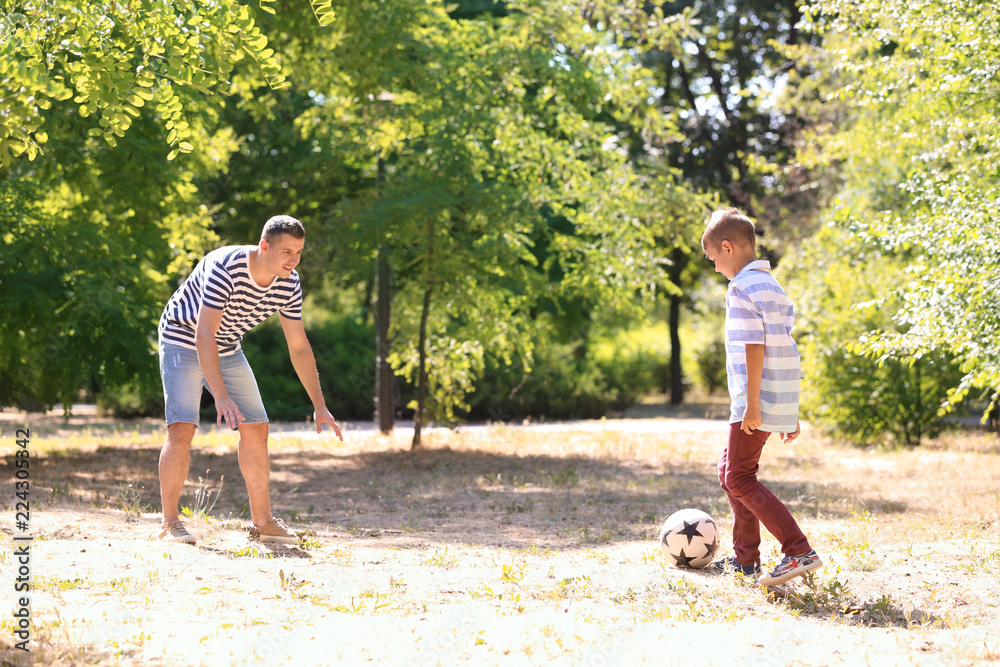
[740,481]
[746,527]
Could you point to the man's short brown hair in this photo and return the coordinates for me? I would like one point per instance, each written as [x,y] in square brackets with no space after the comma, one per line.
[728,224]
[282,224]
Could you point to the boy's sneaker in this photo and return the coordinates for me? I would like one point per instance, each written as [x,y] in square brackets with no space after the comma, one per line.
[730,565]
[174,531]
[791,567]
[274,530]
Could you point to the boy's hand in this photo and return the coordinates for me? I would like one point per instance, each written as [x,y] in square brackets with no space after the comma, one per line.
[751,418]
[323,416]
[788,437]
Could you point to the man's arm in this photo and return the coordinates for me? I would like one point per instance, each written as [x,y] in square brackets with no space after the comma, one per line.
[304,363]
[209,321]
[755,370]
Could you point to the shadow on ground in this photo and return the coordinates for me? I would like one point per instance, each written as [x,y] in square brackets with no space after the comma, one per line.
[435,495]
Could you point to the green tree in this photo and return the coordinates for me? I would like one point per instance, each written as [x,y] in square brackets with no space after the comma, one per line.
[98,217]
[112,59]
[504,178]
[918,81]
[859,397]
[721,74]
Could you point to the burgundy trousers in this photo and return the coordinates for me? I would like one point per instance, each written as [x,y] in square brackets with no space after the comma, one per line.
[752,502]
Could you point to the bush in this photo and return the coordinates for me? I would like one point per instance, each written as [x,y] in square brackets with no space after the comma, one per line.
[841,295]
[707,346]
[576,379]
[345,357]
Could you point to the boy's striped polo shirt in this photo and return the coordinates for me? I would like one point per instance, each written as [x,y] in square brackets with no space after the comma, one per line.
[758,311]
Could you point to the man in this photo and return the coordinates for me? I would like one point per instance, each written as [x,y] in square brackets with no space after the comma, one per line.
[232,290]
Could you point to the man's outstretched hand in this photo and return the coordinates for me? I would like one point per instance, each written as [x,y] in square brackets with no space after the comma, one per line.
[323,416]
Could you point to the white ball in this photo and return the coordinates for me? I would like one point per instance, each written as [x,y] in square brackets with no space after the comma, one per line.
[689,538]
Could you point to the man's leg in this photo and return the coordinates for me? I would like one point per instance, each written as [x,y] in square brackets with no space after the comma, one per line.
[175,460]
[256,468]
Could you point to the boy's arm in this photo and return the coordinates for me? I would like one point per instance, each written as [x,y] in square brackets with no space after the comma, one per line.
[755,370]
[209,321]
[304,362]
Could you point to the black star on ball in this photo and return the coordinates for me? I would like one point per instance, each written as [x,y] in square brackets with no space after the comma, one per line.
[690,530]
[711,548]
[683,560]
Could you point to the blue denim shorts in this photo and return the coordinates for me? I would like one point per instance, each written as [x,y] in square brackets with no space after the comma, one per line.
[183,382]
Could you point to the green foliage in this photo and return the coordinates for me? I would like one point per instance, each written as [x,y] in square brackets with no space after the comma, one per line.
[710,360]
[575,375]
[92,238]
[504,183]
[69,319]
[919,83]
[856,395]
[117,61]
[509,185]
[345,357]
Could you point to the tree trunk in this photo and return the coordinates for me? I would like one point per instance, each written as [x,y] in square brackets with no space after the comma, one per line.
[795,15]
[418,418]
[918,377]
[679,260]
[676,375]
[384,408]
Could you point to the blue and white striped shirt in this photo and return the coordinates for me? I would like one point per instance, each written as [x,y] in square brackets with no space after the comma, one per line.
[222,280]
[759,312]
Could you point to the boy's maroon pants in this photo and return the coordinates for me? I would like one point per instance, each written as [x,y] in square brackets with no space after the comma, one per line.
[752,502]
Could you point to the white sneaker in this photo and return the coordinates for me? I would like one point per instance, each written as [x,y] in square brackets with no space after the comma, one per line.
[791,567]
[174,531]
[275,530]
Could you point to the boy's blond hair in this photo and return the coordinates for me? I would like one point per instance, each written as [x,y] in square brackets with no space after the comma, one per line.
[728,224]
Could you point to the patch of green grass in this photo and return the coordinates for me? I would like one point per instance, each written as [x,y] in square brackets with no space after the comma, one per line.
[859,556]
[201,502]
[570,588]
[440,559]
[130,499]
[309,542]
[53,583]
[516,506]
[251,550]
[357,530]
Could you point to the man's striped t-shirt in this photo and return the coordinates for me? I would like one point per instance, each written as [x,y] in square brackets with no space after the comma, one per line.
[222,280]
[758,311]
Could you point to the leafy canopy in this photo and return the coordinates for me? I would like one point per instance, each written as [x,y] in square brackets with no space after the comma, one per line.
[112,59]
[921,82]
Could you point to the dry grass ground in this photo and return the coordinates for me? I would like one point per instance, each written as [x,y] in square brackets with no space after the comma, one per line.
[501,545]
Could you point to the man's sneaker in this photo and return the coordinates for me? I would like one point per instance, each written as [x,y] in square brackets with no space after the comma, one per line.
[730,565]
[174,531]
[791,567]
[274,530]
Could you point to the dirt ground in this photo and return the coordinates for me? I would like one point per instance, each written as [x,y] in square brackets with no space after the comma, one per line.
[497,545]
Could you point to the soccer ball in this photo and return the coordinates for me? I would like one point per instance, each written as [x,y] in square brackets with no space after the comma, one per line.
[689,538]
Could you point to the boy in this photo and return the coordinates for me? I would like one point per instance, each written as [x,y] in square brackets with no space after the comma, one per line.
[232,290]
[762,365]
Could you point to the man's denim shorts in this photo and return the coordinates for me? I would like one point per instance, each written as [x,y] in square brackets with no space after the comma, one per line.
[183,382]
